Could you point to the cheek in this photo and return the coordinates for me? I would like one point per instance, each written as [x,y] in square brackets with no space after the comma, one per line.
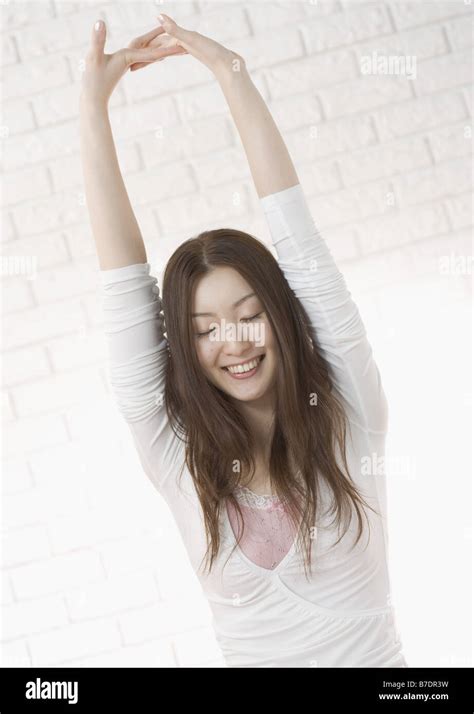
[206,352]
[269,337]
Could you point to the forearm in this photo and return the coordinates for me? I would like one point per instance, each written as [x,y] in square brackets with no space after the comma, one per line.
[270,163]
[116,232]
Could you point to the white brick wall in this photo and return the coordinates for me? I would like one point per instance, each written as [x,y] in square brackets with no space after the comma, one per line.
[88,578]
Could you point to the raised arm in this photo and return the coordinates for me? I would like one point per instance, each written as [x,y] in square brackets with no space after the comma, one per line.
[116,233]
[131,303]
[268,158]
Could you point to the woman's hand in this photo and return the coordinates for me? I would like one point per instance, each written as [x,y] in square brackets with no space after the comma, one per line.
[215,56]
[103,72]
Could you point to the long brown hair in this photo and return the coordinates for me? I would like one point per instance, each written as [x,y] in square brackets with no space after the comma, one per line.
[305,437]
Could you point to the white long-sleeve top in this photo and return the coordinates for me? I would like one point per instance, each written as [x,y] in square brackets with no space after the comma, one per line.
[272,616]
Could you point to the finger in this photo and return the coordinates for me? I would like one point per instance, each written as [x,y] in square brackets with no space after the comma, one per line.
[139,65]
[149,55]
[98,37]
[143,40]
[173,29]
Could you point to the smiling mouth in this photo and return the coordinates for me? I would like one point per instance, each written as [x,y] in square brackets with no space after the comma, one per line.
[245,369]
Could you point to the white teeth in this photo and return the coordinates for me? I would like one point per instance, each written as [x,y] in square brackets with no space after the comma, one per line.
[238,369]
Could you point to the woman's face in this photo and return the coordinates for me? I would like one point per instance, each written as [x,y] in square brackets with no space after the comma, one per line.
[231,330]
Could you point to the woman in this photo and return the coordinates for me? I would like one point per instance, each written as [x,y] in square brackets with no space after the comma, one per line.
[254,414]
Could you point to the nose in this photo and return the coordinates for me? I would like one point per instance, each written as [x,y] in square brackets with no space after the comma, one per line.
[235,347]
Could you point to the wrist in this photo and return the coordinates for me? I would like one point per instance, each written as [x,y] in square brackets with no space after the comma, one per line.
[89,106]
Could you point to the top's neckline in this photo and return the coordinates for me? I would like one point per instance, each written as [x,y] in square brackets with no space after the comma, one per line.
[247,497]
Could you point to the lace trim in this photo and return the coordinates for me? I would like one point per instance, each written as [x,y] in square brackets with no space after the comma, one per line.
[246,497]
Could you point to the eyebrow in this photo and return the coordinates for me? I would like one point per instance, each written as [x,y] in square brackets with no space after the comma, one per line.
[236,304]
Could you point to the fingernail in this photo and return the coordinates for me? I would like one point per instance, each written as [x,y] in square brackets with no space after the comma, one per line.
[97,25]
[161,18]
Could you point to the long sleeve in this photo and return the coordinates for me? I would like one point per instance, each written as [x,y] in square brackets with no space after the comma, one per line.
[137,355]
[316,281]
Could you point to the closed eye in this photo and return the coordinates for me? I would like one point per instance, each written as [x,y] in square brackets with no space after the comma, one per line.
[201,334]
[247,319]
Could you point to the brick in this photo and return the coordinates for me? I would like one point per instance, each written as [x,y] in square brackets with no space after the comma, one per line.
[16,476]
[166,77]
[258,52]
[434,183]
[44,38]
[87,347]
[157,653]
[17,116]
[352,204]
[296,111]
[8,414]
[210,209]
[66,280]
[419,114]
[197,648]
[345,28]
[7,232]
[196,103]
[131,554]
[162,619]
[468,97]
[43,322]
[56,104]
[68,532]
[127,123]
[41,145]
[27,618]
[24,365]
[265,16]
[25,185]
[322,177]
[421,43]
[54,393]
[74,641]
[408,263]
[306,74]
[385,160]
[25,545]
[9,53]
[111,596]
[25,79]
[41,250]
[39,504]
[460,33]
[69,457]
[223,167]
[397,229]
[360,95]
[15,654]
[183,141]
[27,435]
[79,240]
[16,293]
[412,14]
[6,591]
[444,72]
[16,16]
[56,574]
[331,138]
[49,213]
[156,185]
[451,142]
[460,210]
